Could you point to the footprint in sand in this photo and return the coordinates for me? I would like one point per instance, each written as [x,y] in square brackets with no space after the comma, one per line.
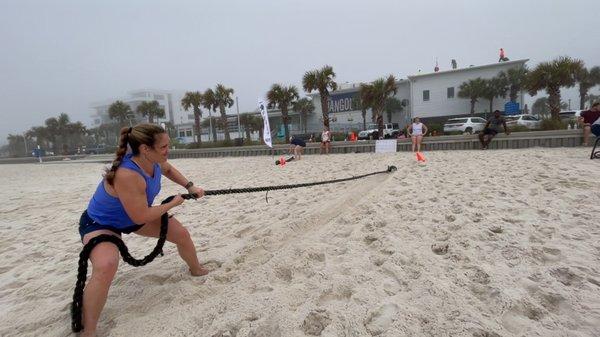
[315,322]
[450,218]
[566,276]
[269,328]
[342,292]
[284,274]
[478,275]
[519,317]
[212,265]
[379,320]
[483,333]
[243,232]
[439,248]
[496,229]
[371,240]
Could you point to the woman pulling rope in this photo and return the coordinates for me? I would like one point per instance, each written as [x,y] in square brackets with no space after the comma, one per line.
[122,203]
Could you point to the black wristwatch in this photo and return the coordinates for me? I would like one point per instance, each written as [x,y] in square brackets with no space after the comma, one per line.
[188,185]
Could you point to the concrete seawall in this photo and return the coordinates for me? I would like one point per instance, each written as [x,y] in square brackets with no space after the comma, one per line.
[517,140]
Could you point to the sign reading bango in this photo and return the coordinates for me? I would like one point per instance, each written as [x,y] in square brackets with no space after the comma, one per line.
[343,102]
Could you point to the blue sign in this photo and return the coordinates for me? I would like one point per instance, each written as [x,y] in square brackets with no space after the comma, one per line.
[511,108]
[343,102]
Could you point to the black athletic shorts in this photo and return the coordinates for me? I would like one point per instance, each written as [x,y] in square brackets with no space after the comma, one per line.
[87,225]
[488,131]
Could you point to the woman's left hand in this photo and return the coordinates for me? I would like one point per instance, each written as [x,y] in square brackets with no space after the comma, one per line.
[197,191]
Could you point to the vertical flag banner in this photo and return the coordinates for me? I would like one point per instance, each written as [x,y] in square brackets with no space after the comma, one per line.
[266,129]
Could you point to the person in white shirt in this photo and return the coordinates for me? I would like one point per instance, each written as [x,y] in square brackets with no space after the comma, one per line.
[325,140]
[416,131]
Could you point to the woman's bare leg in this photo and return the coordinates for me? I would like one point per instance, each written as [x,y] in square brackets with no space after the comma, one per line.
[419,140]
[180,236]
[105,261]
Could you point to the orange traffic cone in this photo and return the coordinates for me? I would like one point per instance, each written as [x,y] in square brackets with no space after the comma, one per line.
[420,157]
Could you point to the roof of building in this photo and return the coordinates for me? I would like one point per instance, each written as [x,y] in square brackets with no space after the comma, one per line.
[485,66]
[350,87]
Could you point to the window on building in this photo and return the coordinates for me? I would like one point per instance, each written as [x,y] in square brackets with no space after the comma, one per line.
[157,97]
[181,133]
[190,116]
[188,132]
[451,92]
[425,95]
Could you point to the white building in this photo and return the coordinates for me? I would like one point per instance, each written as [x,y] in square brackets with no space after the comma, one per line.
[166,100]
[170,101]
[429,96]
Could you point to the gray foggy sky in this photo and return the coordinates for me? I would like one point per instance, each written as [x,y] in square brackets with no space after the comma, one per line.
[59,56]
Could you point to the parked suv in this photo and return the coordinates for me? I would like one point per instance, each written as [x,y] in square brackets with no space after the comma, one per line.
[528,121]
[465,125]
[390,130]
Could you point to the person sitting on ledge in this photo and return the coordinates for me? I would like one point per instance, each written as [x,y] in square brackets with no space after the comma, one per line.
[492,128]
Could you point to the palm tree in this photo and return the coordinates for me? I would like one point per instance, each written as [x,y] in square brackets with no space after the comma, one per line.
[210,103]
[361,103]
[551,76]
[246,122]
[52,132]
[587,79]
[63,129]
[515,80]
[392,105]
[119,111]
[593,98]
[193,100]
[540,107]
[151,109]
[41,136]
[224,100]
[321,80]
[472,89]
[282,97]
[303,107]
[494,87]
[257,124]
[375,95]
[251,123]
[213,123]
[16,145]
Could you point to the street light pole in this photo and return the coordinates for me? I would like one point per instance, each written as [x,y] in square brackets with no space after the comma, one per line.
[25,142]
[210,125]
[237,106]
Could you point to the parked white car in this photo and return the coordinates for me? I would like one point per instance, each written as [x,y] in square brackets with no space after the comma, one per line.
[528,121]
[465,125]
[570,116]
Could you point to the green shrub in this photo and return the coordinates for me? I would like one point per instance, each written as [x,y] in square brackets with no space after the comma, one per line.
[518,128]
[338,136]
[175,143]
[435,127]
[552,124]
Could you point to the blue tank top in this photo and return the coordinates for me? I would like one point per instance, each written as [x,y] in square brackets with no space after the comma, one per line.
[108,210]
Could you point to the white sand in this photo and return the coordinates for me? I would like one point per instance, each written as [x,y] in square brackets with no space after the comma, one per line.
[474,243]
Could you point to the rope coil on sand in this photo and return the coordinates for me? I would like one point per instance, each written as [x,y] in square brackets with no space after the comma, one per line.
[77,305]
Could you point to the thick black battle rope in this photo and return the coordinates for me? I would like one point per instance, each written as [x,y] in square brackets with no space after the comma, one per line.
[285,187]
[77,305]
